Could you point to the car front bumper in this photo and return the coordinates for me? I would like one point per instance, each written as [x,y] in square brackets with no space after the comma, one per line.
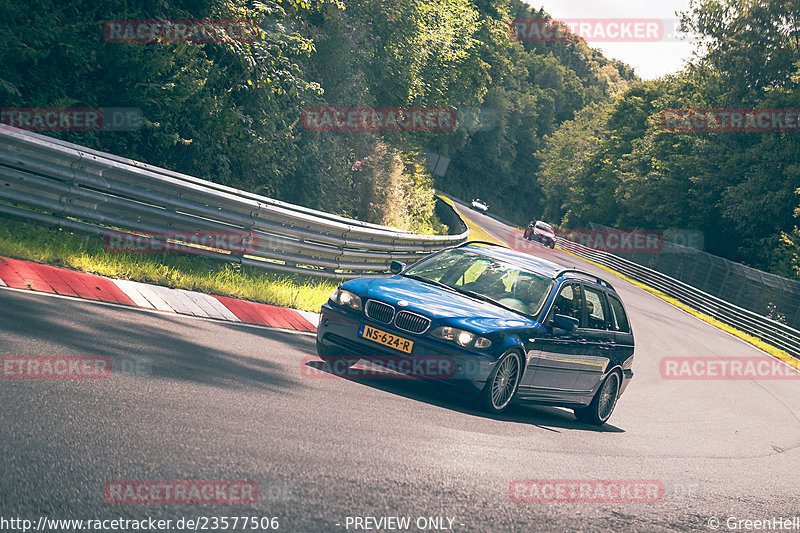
[430,359]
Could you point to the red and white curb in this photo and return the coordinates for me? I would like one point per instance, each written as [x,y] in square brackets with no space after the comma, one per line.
[26,275]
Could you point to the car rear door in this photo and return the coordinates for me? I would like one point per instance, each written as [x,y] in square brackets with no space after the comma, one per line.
[554,358]
[597,342]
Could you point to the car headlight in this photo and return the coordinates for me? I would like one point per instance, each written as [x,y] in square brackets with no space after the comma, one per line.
[346,298]
[461,337]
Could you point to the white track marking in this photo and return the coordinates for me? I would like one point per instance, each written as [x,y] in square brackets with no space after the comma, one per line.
[179,302]
[130,288]
[155,300]
[311,317]
[226,313]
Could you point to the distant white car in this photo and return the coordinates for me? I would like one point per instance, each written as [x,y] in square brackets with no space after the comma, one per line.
[477,203]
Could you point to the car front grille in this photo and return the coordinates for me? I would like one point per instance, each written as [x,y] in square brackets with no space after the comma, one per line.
[411,322]
[379,311]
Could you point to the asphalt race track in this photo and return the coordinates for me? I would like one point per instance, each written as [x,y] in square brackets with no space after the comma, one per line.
[207,400]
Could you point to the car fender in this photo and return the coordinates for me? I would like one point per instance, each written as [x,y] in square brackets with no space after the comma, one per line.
[513,342]
[616,368]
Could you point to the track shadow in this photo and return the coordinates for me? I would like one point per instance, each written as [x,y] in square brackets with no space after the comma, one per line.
[432,393]
[151,345]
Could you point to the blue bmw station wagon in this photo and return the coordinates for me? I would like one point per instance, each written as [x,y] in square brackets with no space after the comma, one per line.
[496,323]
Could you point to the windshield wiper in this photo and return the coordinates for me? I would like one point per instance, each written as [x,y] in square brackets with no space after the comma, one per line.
[471,294]
[489,299]
[431,281]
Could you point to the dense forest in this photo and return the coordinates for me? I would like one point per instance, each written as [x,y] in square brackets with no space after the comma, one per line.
[614,163]
[230,111]
[549,130]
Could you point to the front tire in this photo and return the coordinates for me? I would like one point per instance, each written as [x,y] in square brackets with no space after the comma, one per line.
[502,383]
[339,364]
[603,403]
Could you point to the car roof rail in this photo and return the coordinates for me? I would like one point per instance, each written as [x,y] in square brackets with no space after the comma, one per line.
[479,242]
[597,279]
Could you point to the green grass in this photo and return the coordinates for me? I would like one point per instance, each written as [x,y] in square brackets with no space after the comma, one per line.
[59,247]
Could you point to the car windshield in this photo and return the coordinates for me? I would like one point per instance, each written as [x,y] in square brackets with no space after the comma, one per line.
[544,226]
[504,283]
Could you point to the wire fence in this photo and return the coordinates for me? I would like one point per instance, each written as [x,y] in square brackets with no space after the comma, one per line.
[767,294]
[770,331]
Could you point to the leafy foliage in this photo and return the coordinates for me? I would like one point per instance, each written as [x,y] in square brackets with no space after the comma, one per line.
[230,111]
[738,188]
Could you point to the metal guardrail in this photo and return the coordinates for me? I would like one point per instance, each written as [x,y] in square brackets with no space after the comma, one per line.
[764,293]
[55,182]
[770,331]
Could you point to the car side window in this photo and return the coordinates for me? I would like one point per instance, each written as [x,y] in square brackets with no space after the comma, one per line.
[619,321]
[595,309]
[569,302]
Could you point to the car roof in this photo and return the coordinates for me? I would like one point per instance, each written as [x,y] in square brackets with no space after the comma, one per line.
[542,266]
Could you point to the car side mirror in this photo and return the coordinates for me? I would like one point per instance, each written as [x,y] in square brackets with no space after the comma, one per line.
[396,267]
[565,322]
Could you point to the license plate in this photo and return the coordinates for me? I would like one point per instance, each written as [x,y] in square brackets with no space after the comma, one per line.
[387,339]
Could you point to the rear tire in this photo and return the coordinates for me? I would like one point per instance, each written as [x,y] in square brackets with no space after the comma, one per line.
[603,403]
[502,384]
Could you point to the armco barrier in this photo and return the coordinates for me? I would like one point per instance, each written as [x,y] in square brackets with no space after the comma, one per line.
[770,331]
[55,182]
[764,293]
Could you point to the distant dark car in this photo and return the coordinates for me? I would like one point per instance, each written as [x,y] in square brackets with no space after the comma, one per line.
[504,324]
[477,203]
[541,232]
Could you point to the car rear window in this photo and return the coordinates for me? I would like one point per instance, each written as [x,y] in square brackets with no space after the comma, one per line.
[595,310]
[619,321]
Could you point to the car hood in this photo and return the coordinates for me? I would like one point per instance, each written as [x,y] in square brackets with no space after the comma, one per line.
[437,303]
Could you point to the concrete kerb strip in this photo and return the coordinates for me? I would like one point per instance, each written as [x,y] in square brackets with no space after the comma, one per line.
[165,299]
